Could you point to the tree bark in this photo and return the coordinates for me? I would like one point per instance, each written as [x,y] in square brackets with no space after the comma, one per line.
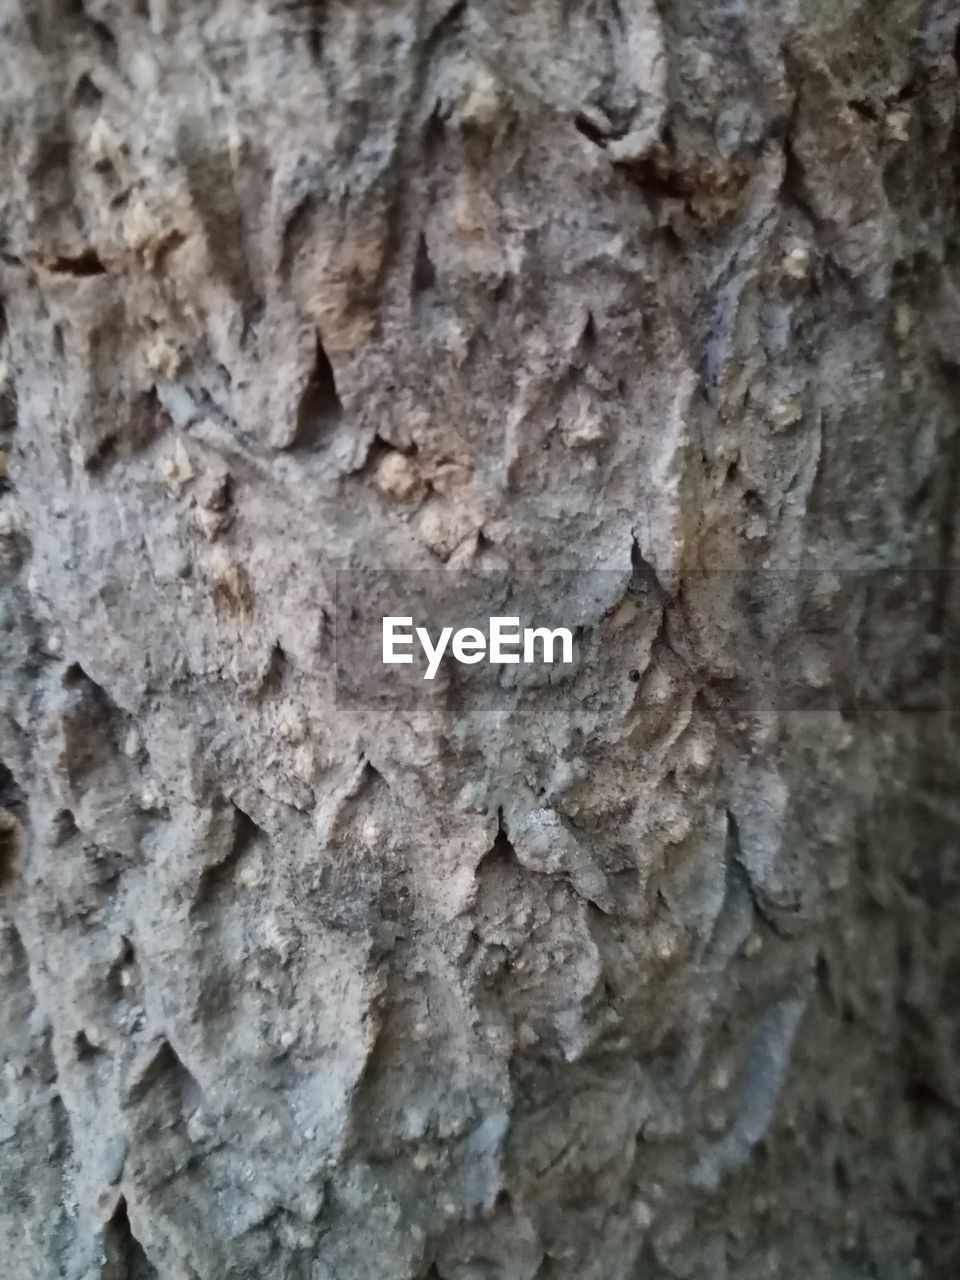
[642,314]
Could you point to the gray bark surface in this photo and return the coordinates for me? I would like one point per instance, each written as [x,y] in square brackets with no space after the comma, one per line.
[647,970]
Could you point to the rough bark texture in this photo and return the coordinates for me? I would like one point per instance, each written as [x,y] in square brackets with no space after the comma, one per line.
[645,971]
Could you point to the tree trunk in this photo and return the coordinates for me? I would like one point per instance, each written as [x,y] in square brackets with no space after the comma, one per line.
[640,319]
